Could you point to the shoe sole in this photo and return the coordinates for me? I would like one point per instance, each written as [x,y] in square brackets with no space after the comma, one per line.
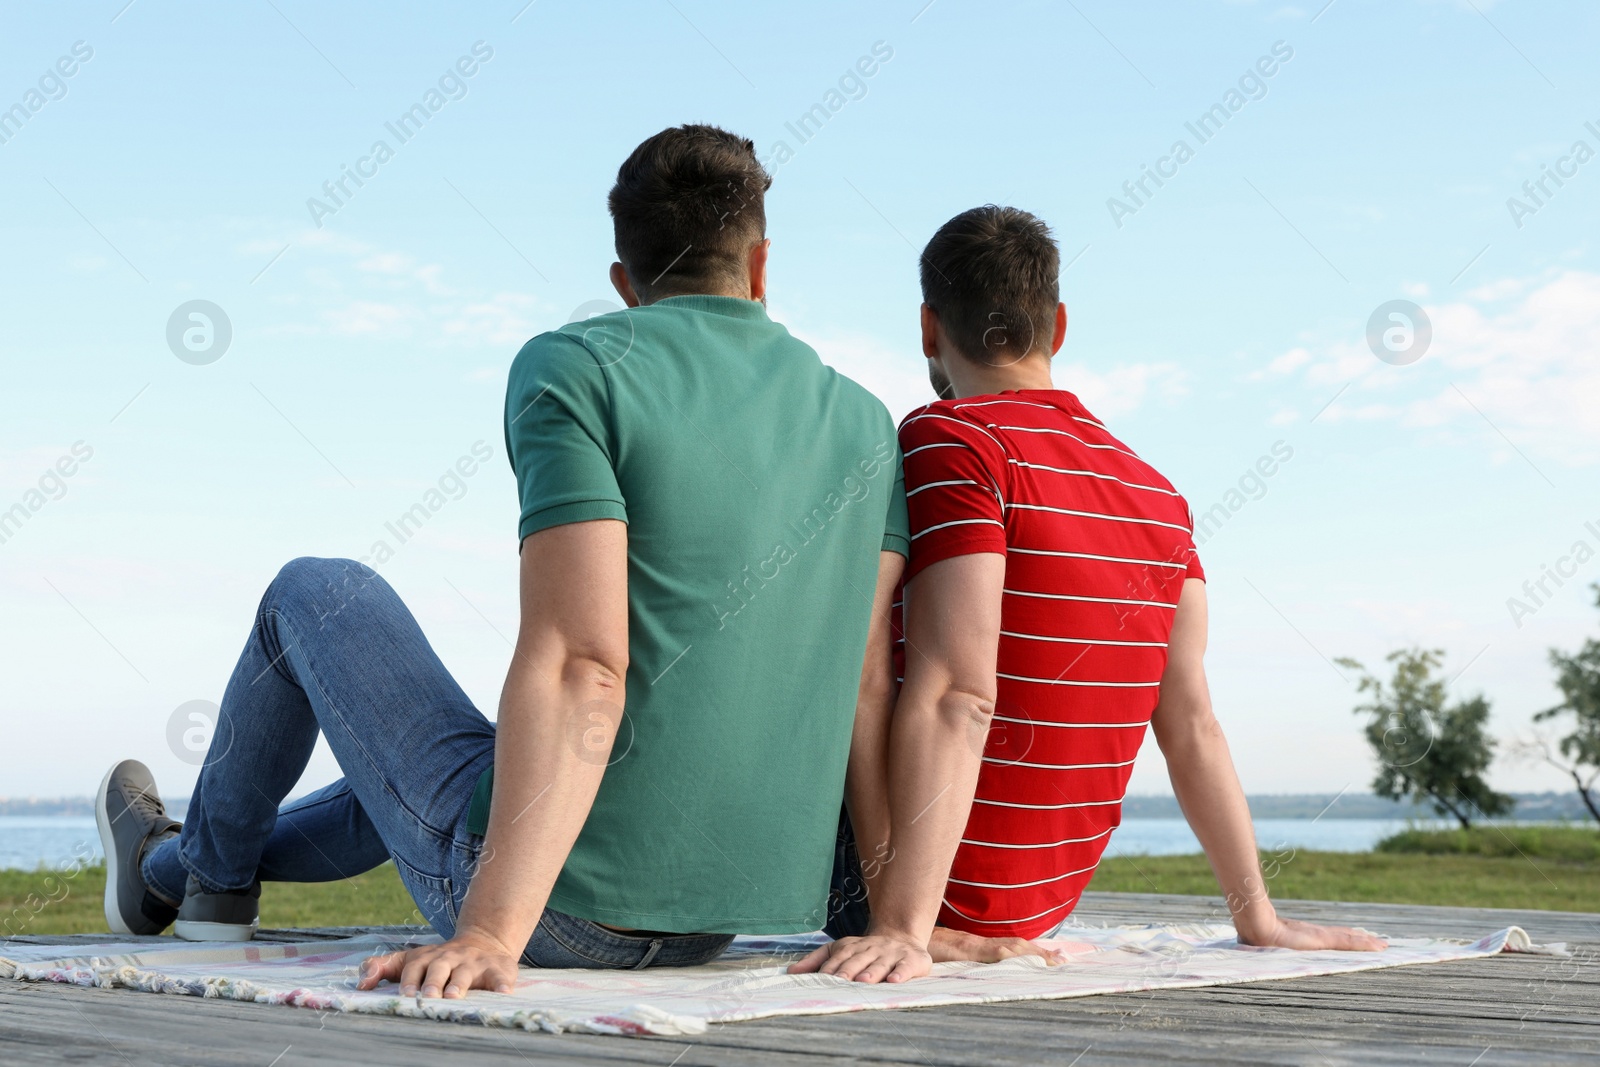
[203,931]
[108,845]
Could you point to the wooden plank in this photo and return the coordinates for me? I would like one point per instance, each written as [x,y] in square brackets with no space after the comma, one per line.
[1505,1010]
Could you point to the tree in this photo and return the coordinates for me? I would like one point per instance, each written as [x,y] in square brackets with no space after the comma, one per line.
[1425,749]
[1578,678]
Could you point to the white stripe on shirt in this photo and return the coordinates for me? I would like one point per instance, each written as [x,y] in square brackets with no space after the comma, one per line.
[1082,641]
[1063,433]
[1108,559]
[1057,766]
[940,444]
[959,522]
[1091,474]
[1005,922]
[935,485]
[958,422]
[1089,599]
[1076,725]
[1024,403]
[1100,515]
[1049,807]
[1093,685]
[1020,885]
[1042,844]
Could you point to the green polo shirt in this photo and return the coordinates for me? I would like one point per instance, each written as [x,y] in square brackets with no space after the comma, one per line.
[759,486]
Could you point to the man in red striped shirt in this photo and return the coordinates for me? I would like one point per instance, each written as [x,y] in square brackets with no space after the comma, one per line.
[1054,607]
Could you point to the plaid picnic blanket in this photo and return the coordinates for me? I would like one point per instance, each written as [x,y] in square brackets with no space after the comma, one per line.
[747,983]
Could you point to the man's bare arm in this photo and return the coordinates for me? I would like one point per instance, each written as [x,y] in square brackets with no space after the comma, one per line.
[1208,791]
[866,781]
[559,713]
[941,722]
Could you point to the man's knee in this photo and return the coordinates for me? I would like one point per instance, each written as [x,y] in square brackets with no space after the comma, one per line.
[321,588]
[314,574]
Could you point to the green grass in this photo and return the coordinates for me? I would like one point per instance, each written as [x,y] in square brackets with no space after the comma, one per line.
[1575,843]
[50,902]
[1559,869]
[1481,881]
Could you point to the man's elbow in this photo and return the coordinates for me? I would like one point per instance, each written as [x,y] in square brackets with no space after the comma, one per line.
[877,688]
[597,670]
[1182,726]
[965,712]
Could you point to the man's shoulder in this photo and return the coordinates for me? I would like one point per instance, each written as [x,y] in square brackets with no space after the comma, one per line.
[827,380]
[556,348]
[946,422]
[860,397]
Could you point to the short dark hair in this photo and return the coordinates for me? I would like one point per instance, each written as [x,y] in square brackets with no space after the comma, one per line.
[992,274]
[687,208]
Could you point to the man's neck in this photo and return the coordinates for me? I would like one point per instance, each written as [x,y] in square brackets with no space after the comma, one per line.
[655,297]
[971,379]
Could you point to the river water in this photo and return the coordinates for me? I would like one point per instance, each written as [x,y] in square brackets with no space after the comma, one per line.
[28,841]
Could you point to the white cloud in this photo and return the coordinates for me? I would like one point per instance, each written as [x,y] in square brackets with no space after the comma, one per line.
[1119,390]
[1287,363]
[505,320]
[1519,354]
[899,376]
[385,263]
[350,288]
[370,318]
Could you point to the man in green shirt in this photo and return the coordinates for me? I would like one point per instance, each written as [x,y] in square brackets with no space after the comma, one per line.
[712,527]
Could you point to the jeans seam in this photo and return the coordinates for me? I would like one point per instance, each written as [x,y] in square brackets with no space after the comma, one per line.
[331,798]
[449,902]
[205,883]
[574,949]
[333,709]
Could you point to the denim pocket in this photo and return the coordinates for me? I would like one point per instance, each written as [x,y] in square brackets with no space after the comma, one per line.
[562,940]
[433,896]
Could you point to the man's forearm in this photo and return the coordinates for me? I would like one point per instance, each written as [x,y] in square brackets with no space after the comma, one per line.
[1208,790]
[941,723]
[935,753]
[552,743]
[866,786]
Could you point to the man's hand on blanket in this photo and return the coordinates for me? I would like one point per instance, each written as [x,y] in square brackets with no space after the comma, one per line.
[1292,933]
[467,961]
[874,958]
[948,945]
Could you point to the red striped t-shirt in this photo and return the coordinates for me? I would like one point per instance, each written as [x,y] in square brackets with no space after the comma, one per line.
[1097,548]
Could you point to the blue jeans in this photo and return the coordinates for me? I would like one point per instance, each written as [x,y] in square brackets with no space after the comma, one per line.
[334,651]
[848,913]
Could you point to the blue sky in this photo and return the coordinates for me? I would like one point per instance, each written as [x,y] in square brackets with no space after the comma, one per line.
[1224,314]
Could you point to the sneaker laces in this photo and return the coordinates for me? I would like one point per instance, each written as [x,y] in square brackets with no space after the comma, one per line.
[147,804]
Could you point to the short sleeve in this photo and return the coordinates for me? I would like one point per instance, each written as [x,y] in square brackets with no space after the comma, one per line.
[897,526]
[954,471]
[558,436]
[1193,555]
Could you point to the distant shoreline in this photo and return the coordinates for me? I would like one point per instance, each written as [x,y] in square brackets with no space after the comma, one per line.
[1531,807]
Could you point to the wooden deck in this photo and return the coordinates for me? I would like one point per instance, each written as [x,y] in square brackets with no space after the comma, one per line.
[1475,1013]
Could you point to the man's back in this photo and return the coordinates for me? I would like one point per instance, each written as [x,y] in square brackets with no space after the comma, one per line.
[758,486]
[1097,548]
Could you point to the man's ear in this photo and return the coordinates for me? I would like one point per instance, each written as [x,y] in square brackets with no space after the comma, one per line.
[758,268]
[624,287]
[930,332]
[1061,329]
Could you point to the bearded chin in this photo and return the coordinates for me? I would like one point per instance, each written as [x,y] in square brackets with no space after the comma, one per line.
[941,385]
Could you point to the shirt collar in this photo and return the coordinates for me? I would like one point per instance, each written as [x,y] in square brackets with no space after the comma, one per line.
[731,306]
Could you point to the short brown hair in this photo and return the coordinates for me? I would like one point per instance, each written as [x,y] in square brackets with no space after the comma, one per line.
[687,208]
[992,276]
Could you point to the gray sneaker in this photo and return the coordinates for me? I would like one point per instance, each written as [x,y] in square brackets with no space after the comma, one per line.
[228,916]
[131,818]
